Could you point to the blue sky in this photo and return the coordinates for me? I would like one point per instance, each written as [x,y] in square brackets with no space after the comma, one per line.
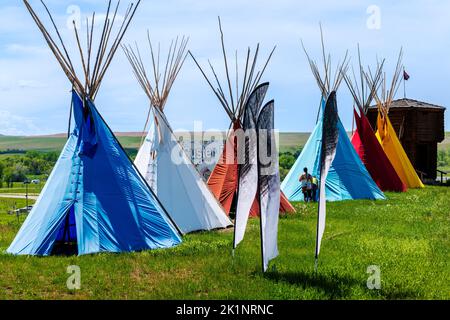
[35,92]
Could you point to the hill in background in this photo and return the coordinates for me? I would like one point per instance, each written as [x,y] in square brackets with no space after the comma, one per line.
[289,141]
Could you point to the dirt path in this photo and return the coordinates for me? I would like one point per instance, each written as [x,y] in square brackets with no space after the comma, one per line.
[17,196]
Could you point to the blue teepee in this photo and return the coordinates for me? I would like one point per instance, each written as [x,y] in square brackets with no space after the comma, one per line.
[347,179]
[94,197]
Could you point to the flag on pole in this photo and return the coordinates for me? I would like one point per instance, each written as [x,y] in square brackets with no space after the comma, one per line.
[405,75]
[330,135]
[248,171]
[269,184]
[259,174]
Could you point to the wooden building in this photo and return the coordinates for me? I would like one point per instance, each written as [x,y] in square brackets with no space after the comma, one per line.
[420,127]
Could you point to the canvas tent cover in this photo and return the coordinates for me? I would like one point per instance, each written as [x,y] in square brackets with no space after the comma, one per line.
[223,181]
[347,179]
[94,182]
[175,180]
[373,156]
[394,150]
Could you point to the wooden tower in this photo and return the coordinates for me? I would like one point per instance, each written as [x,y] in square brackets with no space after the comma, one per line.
[420,127]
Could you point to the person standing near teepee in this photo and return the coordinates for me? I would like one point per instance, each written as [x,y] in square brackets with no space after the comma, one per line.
[306,183]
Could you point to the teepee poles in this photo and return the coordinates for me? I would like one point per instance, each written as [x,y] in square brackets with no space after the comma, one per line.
[158,92]
[234,101]
[107,47]
[396,80]
[64,60]
[323,80]
[226,65]
[363,91]
[385,98]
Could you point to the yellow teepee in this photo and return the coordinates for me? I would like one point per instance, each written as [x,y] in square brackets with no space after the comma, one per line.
[388,138]
[395,152]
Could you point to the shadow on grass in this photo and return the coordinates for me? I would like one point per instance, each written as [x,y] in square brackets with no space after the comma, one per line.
[332,285]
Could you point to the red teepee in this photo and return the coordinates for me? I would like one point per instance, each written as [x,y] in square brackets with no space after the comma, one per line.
[364,139]
[223,180]
[373,156]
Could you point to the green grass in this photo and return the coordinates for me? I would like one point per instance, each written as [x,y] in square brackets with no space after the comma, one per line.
[445,168]
[289,142]
[407,236]
[445,145]
[19,187]
[48,144]
[292,141]
[44,144]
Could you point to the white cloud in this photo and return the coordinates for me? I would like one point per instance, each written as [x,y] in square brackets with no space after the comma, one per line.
[36,86]
[14,125]
[18,48]
[31,84]
[21,85]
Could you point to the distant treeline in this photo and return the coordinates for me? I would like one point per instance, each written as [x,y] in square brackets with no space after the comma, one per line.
[25,164]
[287,160]
[443,158]
[13,151]
[17,168]
[22,165]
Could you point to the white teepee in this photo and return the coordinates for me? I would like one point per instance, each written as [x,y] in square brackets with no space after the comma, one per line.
[162,160]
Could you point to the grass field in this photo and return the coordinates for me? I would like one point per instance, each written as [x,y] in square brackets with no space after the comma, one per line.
[292,141]
[445,145]
[19,187]
[407,236]
[44,144]
[50,143]
[289,141]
